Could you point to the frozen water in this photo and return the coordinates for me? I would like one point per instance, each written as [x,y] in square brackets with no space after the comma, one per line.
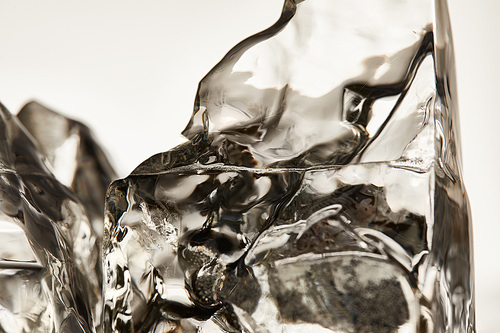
[320,189]
[50,268]
[76,159]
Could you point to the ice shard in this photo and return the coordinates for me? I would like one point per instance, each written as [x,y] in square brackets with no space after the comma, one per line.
[50,267]
[76,158]
[319,190]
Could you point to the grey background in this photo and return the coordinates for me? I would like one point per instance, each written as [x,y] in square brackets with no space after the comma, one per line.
[129,69]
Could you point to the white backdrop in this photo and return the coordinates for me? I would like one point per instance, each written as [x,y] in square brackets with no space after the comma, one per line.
[130,69]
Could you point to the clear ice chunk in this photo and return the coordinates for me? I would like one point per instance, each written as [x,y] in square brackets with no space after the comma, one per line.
[50,267]
[77,160]
[319,191]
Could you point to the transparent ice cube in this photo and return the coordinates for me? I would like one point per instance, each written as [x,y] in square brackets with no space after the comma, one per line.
[320,189]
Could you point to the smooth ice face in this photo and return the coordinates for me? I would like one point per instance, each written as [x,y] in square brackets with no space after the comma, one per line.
[319,191]
[324,88]
[50,269]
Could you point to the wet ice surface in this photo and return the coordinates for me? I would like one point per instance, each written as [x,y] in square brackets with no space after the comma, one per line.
[319,191]
[50,267]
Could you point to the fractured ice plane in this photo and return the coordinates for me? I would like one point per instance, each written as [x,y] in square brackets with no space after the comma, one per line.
[319,190]
[50,267]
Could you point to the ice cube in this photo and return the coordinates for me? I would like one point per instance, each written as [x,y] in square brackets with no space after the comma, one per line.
[50,276]
[319,191]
